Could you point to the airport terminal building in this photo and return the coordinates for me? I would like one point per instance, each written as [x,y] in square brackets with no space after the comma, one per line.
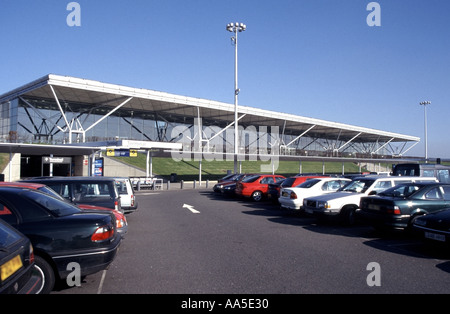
[62,124]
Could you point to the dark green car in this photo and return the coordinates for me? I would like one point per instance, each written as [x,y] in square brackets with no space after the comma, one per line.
[397,207]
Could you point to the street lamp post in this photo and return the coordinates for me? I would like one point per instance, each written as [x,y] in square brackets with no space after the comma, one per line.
[236,28]
[425,104]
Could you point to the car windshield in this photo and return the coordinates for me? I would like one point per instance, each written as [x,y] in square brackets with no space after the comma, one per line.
[401,190]
[50,191]
[56,206]
[358,186]
[308,183]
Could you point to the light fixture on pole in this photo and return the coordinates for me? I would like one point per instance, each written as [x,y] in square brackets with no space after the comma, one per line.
[425,104]
[236,28]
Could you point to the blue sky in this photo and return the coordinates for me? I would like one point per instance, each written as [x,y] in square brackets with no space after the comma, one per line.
[314,58]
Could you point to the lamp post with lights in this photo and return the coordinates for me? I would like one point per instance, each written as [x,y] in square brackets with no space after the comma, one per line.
[236,28]
[425,104]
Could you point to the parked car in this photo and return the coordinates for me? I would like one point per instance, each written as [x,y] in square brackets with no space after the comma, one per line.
[435,226]
[275,188]
[97,191]
[60,233]
[440,172]
[229,179]
[292,198]
[128,201]
[397,207]
[256,186]
[344,203]
[121,221]
[17,272]
[229,187]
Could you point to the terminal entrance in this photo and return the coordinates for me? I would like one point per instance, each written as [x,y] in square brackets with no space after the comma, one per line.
[37,166]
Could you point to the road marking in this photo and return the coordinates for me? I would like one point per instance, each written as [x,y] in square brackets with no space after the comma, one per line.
[100,286]
[191,208]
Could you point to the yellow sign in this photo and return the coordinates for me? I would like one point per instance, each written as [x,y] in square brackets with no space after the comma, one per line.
[110,152]
[133,152]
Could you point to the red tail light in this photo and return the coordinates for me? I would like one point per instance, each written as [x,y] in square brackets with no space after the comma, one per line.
[102,233]
[31,254]
[395,210]
[293,196]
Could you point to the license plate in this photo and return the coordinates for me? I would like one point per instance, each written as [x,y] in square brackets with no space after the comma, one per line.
[373,207]
[10,267]
[308,210]
[435,236]
[284,194]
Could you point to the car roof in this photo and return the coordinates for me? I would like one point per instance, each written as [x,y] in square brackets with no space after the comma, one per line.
[30,185]
[78,178]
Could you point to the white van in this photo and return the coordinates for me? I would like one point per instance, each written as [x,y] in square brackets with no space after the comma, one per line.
[128,200]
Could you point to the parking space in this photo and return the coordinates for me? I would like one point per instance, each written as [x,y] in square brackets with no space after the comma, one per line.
[196,241]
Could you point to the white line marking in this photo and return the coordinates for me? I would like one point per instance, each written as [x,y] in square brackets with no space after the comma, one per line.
[191,208]
[100,286]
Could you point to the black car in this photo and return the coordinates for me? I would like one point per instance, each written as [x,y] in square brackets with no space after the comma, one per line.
[435,226]
[399,206]
[17,272]
[60,233]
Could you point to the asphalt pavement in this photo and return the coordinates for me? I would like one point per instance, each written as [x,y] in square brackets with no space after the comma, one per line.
[187,242]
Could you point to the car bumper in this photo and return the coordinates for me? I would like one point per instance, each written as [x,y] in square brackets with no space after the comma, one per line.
[29,282]
[391,221]
[90,261]
[129,209]
[433,234]
[321,212]
[290,204]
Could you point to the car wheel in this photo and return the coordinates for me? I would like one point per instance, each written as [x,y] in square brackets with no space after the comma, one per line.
[47,275]
[257,196]
[349,215]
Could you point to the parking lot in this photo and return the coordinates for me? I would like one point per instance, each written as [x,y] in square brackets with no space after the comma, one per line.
[198,242]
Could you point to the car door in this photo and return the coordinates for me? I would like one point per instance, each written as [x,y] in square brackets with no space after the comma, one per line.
[264,183]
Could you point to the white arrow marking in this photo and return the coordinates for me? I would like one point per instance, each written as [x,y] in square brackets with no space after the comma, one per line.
[191,208]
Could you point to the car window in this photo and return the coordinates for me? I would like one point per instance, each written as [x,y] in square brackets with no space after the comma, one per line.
[331,185]
[250,179]
[278,179]
[8,236]
[308,183]
[56,206]
[7,215]
[382,185]
[428,173]
[288,181]
[446,192]
[359,186]
[434,194]
[60,188]
[443,176]
[267,180]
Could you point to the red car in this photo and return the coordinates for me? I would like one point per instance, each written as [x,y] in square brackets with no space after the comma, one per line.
[256,186]
[274,188]
[121,221]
